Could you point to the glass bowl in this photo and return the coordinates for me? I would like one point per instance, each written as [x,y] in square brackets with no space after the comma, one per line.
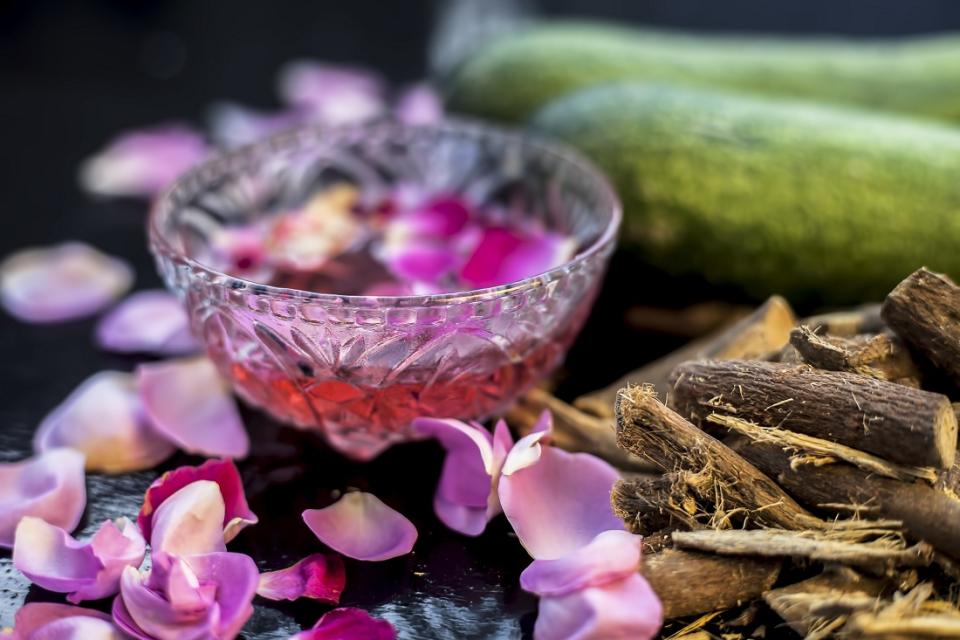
[360,368]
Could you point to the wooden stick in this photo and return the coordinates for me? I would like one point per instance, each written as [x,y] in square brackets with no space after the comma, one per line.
[651,504]
[904,425]
[847,323]
[924,310]
[880,356]
[915,615]
[765,330]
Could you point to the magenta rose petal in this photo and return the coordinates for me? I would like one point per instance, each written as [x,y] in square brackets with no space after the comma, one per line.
[332,94]
[419,104]
[348,623]
[611,556]
[142,163]
[147,322]
[535,255]
[237,513]
[102,419]
[188,402]
[51,621]
[319,576]
[50,486]
[360,526]
[625,608]
[62,282]
[190,521]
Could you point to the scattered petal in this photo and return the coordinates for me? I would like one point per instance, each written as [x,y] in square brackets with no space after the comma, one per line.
[237,513]
[348,623]
[419,104]
[63,282]
[147,322]
[188,402]
[504,255]
[144,162]
[319,576]
[233,125]
[50,621]
[50,558]
[102,419]
[333,95]
[626,608]
[611,556]
[50,486]
[361,526]
[190,521]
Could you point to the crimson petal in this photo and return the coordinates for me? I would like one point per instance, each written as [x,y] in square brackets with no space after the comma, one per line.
[348,623]
[319,576]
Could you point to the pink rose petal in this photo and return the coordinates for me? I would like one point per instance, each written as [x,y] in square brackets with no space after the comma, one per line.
[142,163]
[319,576]
[63,282]
[50,621]
[505,255]
[102,418]
[627,609]
[241,251]
[362,527]
[188,402]
[50,558]
[611,556]
[190,521]
[50,486]
[237,513]
[333,95]
[348,623]
[419,104]
[147,322]
[233,125]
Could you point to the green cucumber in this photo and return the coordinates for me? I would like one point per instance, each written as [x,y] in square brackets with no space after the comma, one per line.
[809,200]
[515,74]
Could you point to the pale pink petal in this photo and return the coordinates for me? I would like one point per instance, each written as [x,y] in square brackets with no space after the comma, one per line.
[348,623]
[419,104]
[233,125]
[50,558]
[50,486]
[188,402]
[241,251]
[332,94]
[627,609]
[142,163]
[611,556]
[190,521]
[319,576]
[505,255]
[103,419]
[147,322]
[470,521]
[424,262]
[63,282]
[361,526]
[50,621]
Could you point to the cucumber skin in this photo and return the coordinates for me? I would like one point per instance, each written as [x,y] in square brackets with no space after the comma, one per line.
[516,74]
[816,202]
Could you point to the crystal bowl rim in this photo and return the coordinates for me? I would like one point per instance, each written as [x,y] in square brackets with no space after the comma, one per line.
[463,126]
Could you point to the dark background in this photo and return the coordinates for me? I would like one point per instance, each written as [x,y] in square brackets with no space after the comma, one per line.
[72,74]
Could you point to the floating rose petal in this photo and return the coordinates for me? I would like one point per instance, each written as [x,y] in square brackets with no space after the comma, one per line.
[611,556]
[190,521]
[147,322]
[504,255]
[50,486]
[237,513]
[319,576]
[188,402]
[308,239]
[50,621]
[233,125]
[419,104]
[348,623]
[362,527]
[202,596]
[62,282]
[556,501]
[102,418]
[90,570]
[142,163]
[241,251]
[332,94]
[422,262]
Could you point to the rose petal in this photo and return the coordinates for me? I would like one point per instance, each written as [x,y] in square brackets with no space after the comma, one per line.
[142,163]
[425,262]
[419,104]
[625,608]
[504,255]
[233,125]
[50,486]
[348,623]
[63,282]
[362,527]
[188,402]
[319,576]
[237,513]
[190,521]
[309,238]
[147,322]
[611,556]
[102,418]
[241,251]
[50,621]
[332,94]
